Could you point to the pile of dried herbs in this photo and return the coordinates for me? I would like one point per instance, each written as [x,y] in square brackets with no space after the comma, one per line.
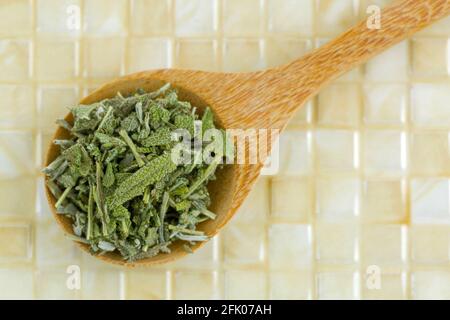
[117,177]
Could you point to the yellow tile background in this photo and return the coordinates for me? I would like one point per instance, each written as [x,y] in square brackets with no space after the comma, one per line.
[364,167]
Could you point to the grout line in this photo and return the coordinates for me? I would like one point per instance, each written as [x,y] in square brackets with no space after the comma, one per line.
[263,12]
[169,284]
[122,285]
[220,37]
[172,39]
[37,133]
[312,120]
[407,142]
[218,266]
[361,178]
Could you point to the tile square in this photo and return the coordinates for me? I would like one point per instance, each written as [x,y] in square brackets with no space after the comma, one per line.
[244,243]
[15,18]
[245,285]
[292,17]
[203,257]
[104,58]
[383,245]
[430,57]
[429,104]
[148,53]
[384,201]
[242,55]
[101,285]
[384,152]
[336,150]
[290,286]
[151,17]
[282,50]
[14,60]
[430,244]
[350,76]
[431,285]
[391,65]
[88,262]
[195,17]
[52,247]
[197,55]
[364,5]
[242,18]
[290,246]
[294,153]
[16,283]
[336,243]
[16,150]
[56,60]
[430,201]
[104,17]
[18,108]
[384,104]
[392,287]
[202,281]
[51,284]
[302,117]
[257,205]
[341,285]
[334,16]
[59,17]
[16,242]
[291,199]
[440,28]
[430,154]
[45,139]
[42,207]
[54,102]
[339,105]
[146,284]
[337,199]
[17,196]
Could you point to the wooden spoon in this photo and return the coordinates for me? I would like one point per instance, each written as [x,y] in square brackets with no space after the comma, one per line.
[261,100]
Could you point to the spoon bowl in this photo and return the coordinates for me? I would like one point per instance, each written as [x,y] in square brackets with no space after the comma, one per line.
[259,100]
[221,189]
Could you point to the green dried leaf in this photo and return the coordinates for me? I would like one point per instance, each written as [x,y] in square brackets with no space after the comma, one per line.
[160,137]
[108,141]
[185,122]
[134,186]
[109,178]
[158,116]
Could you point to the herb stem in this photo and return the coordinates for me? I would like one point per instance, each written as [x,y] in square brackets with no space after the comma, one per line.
[100,198]
[63,197]
[76,238]
[208,172]
[209,214]
[105,118]
[90,213]
[192,238]
[132,146]
[186,231]
[164,206]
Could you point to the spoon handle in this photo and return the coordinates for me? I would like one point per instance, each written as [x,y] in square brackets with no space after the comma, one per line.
[304,77]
